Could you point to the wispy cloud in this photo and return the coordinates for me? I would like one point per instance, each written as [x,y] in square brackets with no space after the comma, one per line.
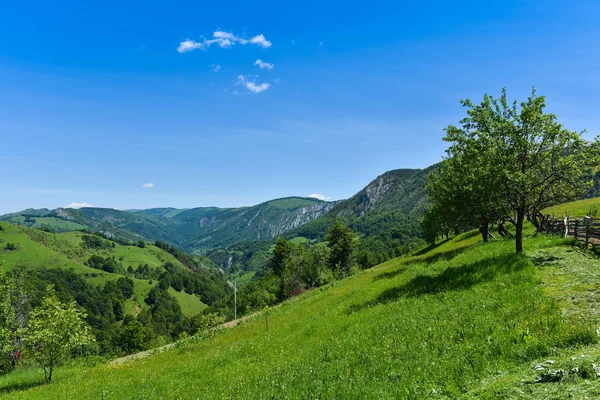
[148,185]
[223,40]
[321,44]
[319,196]
[251,85]
[264,65]
[79,205]
[215,67]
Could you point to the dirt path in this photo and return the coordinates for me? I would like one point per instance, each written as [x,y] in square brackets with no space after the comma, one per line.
[144,354]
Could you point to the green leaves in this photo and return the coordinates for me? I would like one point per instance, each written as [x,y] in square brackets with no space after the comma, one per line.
[55,329]
[506,162]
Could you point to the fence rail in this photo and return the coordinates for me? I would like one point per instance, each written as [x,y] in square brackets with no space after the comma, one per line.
[584,229]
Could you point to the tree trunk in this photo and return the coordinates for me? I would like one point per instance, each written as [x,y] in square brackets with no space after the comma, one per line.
[519,228]
[484,228]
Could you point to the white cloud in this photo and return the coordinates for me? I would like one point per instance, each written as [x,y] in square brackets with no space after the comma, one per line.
[261,41]
[189,45]
[252,85]
[264,65]
[79,205]
[148,185]
[224,40]
[215,67]
[319,196]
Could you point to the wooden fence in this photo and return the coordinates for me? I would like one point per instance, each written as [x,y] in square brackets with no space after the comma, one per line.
[585,229]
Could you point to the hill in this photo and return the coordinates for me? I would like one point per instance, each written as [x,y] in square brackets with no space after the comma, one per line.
[463,319]
[36,249]
[193,230]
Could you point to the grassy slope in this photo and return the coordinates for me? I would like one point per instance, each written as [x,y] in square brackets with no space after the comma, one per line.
[462,319]
[577,208]
[41,249]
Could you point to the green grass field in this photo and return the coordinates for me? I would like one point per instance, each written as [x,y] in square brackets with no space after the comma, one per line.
[579,208]
[38,249]
[461,319]
[60,225]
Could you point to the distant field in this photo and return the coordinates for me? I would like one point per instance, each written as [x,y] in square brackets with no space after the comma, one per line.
[59,225]
[292,202]
[461,319]
[190,304]
[579,208]
[38,249]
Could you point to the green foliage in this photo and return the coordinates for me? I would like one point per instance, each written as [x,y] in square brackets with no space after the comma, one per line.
[55,329]
[10,246]
[342,243]
[508,162]
[96,242]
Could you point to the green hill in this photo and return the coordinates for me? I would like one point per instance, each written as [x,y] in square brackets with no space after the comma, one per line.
[38,249]
[579,208]
[463,319]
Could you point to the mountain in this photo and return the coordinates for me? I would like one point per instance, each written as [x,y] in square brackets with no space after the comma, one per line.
[194,230]
[385,214]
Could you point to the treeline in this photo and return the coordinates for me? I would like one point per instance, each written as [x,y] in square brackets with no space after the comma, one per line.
[505,165]
[295,268]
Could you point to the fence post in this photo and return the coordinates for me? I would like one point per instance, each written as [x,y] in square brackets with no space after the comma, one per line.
[587,231]
[566,221]
[267,320]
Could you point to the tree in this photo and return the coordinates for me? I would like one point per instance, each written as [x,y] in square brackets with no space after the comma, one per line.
[55,329]
[342,243]
[521,158]
[287,265]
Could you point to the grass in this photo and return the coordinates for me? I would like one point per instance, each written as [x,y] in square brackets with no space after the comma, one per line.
[38,249]
[190,304]
[461,319]
[60,225]
[290,203]
[579,208]
[242,278]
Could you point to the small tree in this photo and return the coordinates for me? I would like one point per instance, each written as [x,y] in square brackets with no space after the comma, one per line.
[55,329]
[341,242]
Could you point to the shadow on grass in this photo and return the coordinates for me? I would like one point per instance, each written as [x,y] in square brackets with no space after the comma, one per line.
[451,279]
[448,255]
[17,386]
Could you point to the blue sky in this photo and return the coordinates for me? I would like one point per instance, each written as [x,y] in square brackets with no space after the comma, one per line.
[96,100]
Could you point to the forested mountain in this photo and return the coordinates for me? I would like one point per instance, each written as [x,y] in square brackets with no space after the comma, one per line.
[385,214]
[192,230]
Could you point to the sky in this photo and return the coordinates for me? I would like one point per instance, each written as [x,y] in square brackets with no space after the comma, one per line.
[188,104]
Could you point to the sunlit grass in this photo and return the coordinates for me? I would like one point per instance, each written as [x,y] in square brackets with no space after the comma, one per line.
[437,324]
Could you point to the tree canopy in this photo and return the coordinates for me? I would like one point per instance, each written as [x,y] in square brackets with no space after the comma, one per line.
[507,163]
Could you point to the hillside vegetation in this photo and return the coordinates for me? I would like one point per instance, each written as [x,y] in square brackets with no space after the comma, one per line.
[461,318]
[194,230]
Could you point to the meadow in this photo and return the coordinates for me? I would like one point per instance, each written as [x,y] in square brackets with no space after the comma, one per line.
[39,249]
[461,319]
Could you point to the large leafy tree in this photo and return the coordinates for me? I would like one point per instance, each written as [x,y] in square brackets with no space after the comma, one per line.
[342,243]
[55,329]
[287,263]
[516,160]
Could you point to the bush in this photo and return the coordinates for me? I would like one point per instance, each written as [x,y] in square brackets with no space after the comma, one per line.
[10,246]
